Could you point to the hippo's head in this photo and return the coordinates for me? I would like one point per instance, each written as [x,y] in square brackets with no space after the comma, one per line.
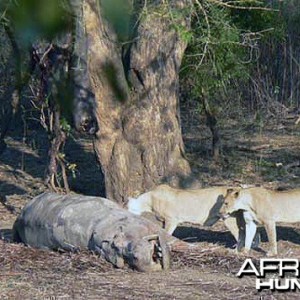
[149,253]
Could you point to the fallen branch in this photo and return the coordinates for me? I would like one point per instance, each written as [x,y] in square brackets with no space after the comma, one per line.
[254,148]
[292,165]
[11,274]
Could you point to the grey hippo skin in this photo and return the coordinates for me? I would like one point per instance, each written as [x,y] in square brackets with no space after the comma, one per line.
[73,222]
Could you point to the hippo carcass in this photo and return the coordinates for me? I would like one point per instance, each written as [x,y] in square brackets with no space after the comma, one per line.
[73,222]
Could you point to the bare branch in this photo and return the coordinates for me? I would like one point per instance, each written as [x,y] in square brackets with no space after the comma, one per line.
[235,6]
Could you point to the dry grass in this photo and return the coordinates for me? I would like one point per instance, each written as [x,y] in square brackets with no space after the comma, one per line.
[201,272]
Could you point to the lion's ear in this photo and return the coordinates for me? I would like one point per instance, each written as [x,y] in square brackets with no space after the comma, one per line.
[233,191]
[229,191]
[236,194]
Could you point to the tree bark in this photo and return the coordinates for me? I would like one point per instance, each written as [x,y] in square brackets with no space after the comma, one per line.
[139,142]
[211,122]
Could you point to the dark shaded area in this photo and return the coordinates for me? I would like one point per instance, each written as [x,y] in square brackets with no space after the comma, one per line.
[10,208]
[6,188]
[6,234]
[112,77]
[192,234]
[182,181]
[28,153]
[119,14]
[25,161]
[284,233]
[198,235]
[89,178]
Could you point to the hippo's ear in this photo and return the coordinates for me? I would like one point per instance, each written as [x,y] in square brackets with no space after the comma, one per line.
[119,241]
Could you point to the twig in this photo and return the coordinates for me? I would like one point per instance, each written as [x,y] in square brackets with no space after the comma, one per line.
[292,165]
[254,148]
[11,274]
[228,5]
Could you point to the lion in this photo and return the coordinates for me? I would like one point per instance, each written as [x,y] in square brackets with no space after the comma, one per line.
[263,206]
[196,206]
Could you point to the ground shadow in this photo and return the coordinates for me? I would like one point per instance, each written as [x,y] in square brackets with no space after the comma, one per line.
[200,235]
[31,157]
[197,235]
[8,189]
[284,233]
[17,159]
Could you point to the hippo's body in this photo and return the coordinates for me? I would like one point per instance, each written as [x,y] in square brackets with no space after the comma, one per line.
[74,222]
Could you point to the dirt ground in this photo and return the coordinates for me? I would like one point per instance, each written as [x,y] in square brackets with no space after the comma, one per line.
[266,154]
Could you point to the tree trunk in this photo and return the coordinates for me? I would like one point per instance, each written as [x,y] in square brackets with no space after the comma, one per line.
[139,142]
[57,141]
[13,92]
[211,122]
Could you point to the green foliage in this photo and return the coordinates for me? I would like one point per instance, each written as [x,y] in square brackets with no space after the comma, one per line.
[35,19]
[119,13]
[276,72]
[225,47]
[65,126]
[176,16]
[184,33]
[215,55]
[71,167]
[271,22]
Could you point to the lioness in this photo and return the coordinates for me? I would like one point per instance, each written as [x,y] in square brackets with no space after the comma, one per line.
[175,206]
[262,206]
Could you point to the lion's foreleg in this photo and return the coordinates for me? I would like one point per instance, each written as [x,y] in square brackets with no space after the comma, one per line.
[250,233]
[170,226]
[271,232]
[250,229]
[231,224]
